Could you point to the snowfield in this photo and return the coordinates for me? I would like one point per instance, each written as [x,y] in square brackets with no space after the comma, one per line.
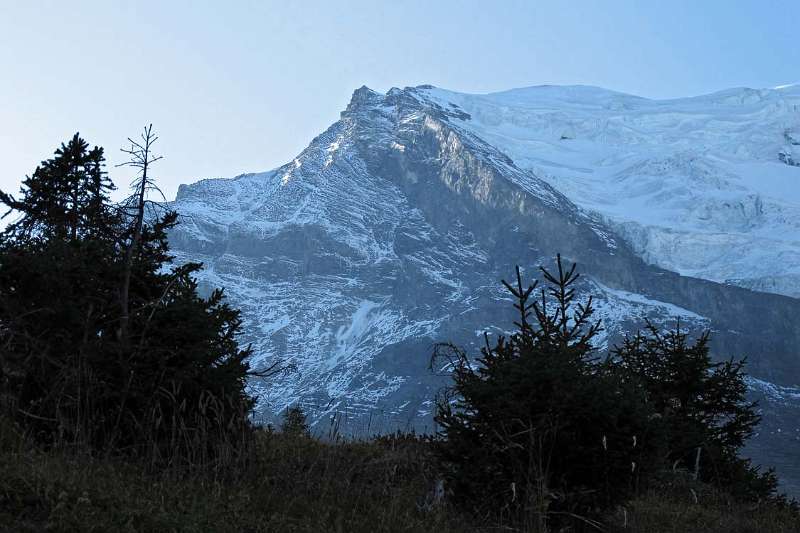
[701,186]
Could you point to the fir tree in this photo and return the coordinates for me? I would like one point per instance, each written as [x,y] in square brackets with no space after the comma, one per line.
[173,385]
[700,406]
[66,197]
[294,421]
[534,428]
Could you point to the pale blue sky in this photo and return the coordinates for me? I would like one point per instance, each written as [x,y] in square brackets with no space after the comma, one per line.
[234,87]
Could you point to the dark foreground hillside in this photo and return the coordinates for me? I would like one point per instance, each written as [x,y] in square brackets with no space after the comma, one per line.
[297,483]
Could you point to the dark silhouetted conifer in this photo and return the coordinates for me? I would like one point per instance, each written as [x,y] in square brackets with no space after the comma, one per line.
[173,385]
[294,421]
[700,407]
[534,428]
[66,197]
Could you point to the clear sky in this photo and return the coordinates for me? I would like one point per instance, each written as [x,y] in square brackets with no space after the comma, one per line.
[236,87]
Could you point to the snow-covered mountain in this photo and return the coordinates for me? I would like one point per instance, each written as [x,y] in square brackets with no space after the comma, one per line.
[707,186]
[392,230]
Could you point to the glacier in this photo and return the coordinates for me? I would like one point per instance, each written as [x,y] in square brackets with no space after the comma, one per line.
[707,186]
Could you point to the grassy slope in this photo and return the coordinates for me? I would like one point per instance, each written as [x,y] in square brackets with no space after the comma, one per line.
[299,484]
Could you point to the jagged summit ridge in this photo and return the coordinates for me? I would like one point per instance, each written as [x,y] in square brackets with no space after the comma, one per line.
[694,185]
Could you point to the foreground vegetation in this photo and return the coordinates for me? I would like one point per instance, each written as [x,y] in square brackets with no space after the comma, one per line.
[287,483]
[294,483]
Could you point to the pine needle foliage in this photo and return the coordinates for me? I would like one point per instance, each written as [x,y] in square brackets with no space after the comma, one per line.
[66,197]
[700,407]
[171,385]
[294,421]
[533,430]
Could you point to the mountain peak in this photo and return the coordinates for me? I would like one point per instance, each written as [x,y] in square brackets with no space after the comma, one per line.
[390,231]
[362,96]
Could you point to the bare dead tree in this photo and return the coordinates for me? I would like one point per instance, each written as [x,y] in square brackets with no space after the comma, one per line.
[141,157]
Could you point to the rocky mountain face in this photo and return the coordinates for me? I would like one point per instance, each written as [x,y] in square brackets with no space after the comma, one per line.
[392,230]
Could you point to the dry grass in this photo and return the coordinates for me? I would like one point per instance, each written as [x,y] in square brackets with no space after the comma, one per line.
[294,483]
[680,505]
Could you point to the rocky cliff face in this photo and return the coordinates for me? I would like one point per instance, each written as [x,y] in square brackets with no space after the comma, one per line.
[391,232]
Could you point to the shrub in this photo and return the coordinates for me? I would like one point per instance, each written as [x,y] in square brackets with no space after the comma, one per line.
[294,421]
